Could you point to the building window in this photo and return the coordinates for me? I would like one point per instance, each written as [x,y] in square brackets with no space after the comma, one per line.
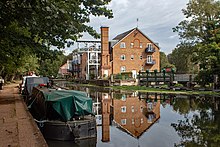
[141,46]
[149,59]
[141,57]
[150,106]
[123,69]
[132,57]
[141,109]
[122,57]
[150,46]
[142,120]
[132,108]
[123,109]
[132,45]
[123,97]
[122,45]
[142,68]
[132,121]
[123,121]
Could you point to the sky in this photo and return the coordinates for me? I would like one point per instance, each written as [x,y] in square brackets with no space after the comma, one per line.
[156,18]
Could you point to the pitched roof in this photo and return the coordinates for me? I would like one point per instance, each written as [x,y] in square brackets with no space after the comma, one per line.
[121,36]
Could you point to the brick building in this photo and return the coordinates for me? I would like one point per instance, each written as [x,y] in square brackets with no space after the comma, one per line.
[64,70]
[131,51]
[135,116]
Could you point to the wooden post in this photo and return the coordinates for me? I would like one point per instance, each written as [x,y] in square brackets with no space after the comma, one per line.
[171,80]
[164,74]
[215,81]
[147,71]
[190,81]
[155,74]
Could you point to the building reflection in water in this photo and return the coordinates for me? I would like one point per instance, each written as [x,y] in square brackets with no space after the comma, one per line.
[135,115]
[129,112]
[106,102]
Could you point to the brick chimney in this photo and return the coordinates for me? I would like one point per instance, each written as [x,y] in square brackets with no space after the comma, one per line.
[105,56]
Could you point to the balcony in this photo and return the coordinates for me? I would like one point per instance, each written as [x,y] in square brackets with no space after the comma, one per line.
[150,50]
[150,62]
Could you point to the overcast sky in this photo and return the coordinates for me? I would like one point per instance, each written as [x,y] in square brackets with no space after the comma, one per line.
[156,18]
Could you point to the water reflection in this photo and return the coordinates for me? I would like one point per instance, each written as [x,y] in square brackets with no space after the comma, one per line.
[135,115]
[151,119]
[203,129]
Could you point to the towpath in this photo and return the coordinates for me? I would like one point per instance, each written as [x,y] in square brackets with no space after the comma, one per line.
[17,127]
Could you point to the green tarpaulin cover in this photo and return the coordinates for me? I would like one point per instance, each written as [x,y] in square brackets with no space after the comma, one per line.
[67,103]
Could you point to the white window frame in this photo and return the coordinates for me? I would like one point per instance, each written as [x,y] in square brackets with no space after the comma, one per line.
[132,57]
[150,46]
[141,109]
[122,45]
[123,57]
[132,45]
[149,59]
[132,108]
[142,120]
[141,45]
[123,97]
[123,109]
[123,69]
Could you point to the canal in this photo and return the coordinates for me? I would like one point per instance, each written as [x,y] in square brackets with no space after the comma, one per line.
[150,119]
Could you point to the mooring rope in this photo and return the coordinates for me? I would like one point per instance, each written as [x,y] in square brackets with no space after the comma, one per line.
[41,122]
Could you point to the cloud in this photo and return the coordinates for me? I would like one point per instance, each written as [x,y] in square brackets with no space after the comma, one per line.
[156,19]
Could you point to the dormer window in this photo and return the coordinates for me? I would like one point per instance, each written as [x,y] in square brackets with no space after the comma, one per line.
[122,45]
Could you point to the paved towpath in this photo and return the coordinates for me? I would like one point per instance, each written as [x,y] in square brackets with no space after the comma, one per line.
[17,127]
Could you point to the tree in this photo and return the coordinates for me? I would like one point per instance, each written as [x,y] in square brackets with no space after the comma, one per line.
[32,27]
[202,128]
[181,57]
[50,67]
[201,29]
[30,63]
[164,63]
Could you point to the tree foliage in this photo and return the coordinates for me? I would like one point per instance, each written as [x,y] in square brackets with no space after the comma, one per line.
[201,129]
[181,57]
[32,27]
[164,63]
[201,29]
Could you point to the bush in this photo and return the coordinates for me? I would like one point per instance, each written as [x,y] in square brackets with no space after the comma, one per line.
[178,85]
[164,86]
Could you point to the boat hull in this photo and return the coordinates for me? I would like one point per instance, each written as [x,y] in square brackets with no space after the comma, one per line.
[71,130]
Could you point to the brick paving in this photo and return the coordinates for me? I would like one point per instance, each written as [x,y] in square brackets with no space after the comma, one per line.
[17,127]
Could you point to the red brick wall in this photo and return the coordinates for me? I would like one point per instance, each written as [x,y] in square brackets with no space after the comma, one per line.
[136,37]
[138,127]
[83,65]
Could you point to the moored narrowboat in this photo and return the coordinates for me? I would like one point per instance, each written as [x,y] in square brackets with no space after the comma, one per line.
[63,114]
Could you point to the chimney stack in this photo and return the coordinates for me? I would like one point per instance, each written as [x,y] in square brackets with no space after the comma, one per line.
[104,40]
[105,57]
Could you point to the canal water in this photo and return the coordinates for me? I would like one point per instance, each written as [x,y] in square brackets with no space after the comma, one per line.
[150,119]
